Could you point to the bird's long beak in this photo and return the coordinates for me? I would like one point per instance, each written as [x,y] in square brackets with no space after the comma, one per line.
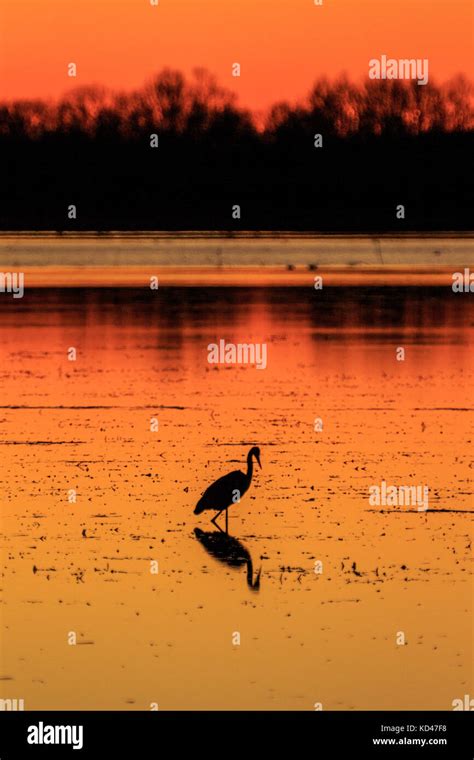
[258,460]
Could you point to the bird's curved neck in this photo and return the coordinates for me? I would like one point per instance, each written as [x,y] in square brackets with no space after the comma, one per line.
[249,467]
[249,573]
[251,583]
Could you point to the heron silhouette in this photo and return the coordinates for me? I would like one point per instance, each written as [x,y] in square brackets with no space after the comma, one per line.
[228,549]
[228,490]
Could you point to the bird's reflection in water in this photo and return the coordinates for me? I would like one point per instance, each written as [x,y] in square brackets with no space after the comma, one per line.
[229,550]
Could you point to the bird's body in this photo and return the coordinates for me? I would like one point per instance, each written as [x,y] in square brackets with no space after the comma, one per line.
[228,489]
[219,495]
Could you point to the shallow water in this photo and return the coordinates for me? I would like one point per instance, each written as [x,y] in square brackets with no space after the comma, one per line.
[305,637]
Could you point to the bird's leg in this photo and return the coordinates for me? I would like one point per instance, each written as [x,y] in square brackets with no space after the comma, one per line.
[226,521]
[213,520]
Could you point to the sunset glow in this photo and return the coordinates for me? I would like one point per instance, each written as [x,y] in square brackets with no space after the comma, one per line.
[281,45]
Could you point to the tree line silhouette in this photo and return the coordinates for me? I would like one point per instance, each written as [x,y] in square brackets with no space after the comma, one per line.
[182,154]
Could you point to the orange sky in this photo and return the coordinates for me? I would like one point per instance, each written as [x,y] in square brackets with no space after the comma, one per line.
[282,45]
